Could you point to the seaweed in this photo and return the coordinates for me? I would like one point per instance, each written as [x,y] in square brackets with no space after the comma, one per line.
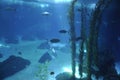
[42,72]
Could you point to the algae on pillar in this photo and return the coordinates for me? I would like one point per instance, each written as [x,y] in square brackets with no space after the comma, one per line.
[73,36]
[82,43]
[92,56]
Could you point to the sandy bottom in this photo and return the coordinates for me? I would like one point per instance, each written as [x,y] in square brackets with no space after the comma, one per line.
[30,52]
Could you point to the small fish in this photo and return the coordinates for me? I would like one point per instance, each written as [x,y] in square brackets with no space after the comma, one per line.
[79,38]
[54,40]
[63,31]
[52,73]
[20,53]
[45,13]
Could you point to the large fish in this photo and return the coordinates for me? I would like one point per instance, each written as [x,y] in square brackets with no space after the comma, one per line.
[45,57]
[44,45]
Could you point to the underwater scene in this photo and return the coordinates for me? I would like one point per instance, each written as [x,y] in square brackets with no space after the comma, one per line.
[59,40]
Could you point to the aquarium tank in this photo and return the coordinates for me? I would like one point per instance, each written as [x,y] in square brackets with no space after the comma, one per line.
[59,40]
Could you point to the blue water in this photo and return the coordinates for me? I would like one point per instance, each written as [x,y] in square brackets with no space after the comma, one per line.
[26,20]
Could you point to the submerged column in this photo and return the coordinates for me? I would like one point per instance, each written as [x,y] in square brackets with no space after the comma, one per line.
[73,37]
[83,40]
[92,57]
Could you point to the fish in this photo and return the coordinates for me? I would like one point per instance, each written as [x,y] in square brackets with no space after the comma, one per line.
[45,57]
[20,53]
[78,38]
[45,13]
[55,40]
[44,45]
[63,31]
[52,73]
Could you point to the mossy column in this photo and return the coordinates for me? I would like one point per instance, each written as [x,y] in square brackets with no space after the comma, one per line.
[73,37]
[82,42]
[92,57]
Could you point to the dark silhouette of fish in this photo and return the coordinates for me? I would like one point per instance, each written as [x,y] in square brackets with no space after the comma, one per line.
[55,40]
[63,31]
[45,57]
[20,53]
[79,38]
[44,45]
[52,73]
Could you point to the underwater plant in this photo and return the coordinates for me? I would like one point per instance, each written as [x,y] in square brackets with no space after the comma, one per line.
[42,72]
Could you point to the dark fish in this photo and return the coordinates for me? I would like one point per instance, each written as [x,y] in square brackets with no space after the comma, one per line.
[45,57]
[52,73]
[20,53]
[54,40]
[63,31]
[79,38]
[44,45]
